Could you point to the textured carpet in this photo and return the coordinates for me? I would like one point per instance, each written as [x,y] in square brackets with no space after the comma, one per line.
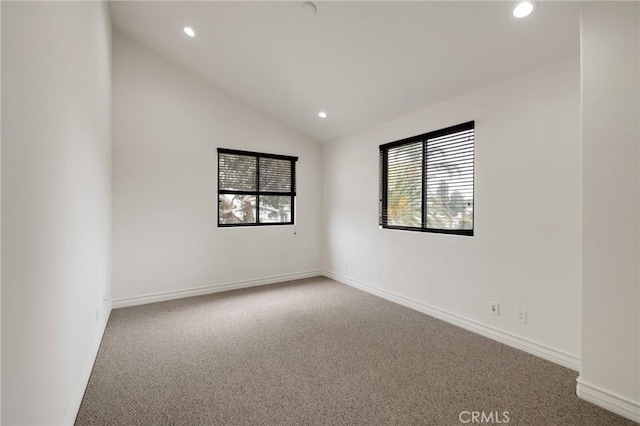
[314,352]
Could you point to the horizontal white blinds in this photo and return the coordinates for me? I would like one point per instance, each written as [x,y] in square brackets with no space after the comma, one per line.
[275,175]
[255,188]
[449,177]
[404,185]
[426,182]
[252,172]
[237,172]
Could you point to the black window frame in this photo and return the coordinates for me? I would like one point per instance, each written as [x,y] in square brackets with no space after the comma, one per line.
[384,150]
[257,193]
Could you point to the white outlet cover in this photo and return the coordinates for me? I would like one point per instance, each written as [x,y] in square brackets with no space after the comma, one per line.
[521,315]
[494,308]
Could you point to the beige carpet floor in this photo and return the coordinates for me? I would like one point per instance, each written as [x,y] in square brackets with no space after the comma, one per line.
[315,352]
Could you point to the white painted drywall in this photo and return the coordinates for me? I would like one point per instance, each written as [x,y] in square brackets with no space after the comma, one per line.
[0,226]
[526,248]
[56,107]
[610,60]
[167,124]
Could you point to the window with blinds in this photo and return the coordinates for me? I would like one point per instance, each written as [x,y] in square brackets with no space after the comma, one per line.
[255,188]
[426,181]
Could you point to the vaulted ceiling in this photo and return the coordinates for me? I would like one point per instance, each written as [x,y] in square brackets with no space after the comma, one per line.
[361,62]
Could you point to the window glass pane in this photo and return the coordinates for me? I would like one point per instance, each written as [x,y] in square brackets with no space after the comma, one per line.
[246,178]
[237,172]
[404,185]
[275,175]
[275,209]
[450,181]
[236,208]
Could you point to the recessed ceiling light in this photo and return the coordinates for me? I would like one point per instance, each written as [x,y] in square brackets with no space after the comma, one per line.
[523,9]
[189,31]
[322,114]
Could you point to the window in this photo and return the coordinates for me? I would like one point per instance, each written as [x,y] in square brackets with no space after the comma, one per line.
[255,188]
[426,182]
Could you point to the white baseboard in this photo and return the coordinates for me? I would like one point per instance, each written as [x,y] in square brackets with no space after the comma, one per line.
[608,400]
[199,291]
[74,406]
[529,346]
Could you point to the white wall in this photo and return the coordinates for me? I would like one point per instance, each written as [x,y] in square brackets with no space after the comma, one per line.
[56,89]
[610,373]
[526,248]
[0,228]
[167,125]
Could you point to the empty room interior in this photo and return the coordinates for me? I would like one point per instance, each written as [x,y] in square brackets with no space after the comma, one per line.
[340,213]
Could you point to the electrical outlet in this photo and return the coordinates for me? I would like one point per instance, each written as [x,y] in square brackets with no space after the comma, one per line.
[242,269]
[521,315]
[494,308]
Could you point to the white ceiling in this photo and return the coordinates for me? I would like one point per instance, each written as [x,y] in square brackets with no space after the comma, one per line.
[362,62]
